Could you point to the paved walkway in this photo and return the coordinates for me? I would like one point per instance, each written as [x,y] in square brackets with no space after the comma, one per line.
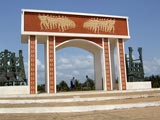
[93,105]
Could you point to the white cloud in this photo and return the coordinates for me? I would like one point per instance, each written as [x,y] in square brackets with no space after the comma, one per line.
[40,66]
[40,71]
[74,65]
[62,60]
[75,72]
[64,66]
[72,62]
[152,67]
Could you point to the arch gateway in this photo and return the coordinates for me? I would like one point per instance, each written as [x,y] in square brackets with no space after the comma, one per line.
[102,35]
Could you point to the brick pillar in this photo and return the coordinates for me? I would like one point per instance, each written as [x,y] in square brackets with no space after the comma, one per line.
[32,65]
[107,64]
[51,64]
[122,64]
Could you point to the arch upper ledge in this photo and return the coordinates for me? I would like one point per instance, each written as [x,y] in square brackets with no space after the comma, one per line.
[24,35]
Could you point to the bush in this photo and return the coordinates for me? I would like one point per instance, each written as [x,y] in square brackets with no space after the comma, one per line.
[41,88]
[87,85]
[62,86]
[155,80]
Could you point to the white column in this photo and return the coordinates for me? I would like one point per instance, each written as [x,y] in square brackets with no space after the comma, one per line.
[103,67]
[55,79]
[110,62]
[29,63]
[36,64]
[98,70]
[118,66]
[112,54]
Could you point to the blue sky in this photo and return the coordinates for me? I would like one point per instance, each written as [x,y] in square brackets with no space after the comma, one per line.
[144,27]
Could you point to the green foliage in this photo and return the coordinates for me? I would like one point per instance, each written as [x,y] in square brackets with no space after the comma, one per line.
[62,86]
[155,80]
[87,85]
[41,88]
[78,85]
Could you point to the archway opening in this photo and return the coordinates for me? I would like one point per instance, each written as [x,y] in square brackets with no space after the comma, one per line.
[79,60]
[77,63]
[40,68]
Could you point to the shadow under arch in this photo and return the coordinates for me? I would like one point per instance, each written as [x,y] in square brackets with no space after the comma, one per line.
[93,48]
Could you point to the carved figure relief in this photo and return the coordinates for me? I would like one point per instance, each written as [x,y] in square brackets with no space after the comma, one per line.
[96,25]
[62,23]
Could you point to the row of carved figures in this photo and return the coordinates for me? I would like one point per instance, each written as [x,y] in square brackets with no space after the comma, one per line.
[63,23]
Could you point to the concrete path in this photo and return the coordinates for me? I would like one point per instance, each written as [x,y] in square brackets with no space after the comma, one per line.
[76,93]
[77,108]
[75,99]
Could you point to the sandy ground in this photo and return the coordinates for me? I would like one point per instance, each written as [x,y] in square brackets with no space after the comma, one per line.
[150,113]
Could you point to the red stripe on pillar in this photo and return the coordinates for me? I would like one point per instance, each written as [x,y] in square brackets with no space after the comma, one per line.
[122,65]
[51,64]
[32,65]
[107,64]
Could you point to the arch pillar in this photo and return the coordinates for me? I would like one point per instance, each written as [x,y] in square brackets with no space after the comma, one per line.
[122,65]
[32,64]
[98,70]
[113,56]
[50,65]
[107,65]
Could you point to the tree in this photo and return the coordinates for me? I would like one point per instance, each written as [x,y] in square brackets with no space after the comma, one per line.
[78,85]
[155,80]
[41,88]
[63,86]
[89,84]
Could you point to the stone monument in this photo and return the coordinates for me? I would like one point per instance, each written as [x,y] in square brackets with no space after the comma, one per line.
[134,67]
[12,71]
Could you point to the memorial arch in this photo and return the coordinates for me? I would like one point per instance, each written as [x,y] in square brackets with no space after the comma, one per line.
[102,35]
